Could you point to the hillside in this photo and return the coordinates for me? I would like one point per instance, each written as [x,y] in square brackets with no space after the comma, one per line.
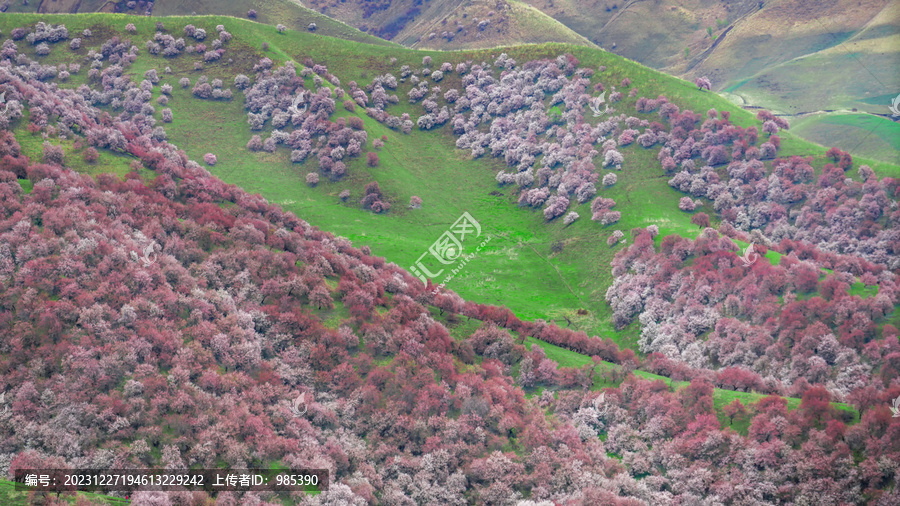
[290,13]
[436,24]
[779,54]
[732,43]
[795,71]
[247,294]
[448,25]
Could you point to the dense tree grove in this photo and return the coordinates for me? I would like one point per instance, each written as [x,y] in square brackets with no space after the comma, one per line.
[300,117]
[783,199]
[225,290]
[236,290]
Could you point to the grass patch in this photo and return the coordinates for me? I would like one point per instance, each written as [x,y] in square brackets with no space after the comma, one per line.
[460,327]
[860,134]
[332,318]
[862,290]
